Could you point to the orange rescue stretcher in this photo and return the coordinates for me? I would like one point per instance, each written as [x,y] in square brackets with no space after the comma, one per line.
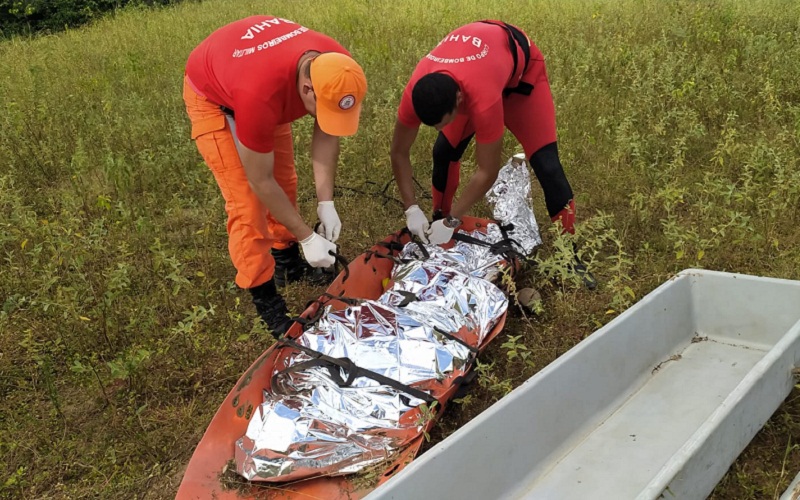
[364,278]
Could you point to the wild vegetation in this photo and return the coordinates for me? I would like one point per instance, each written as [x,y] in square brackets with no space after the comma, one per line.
[28,17]
[121,330]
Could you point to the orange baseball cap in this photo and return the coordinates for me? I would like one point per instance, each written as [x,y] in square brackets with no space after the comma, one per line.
[340,86]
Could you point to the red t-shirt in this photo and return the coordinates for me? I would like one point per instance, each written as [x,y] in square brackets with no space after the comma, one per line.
[478,58]
[250,66]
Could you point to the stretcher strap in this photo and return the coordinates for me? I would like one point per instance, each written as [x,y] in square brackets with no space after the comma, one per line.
[310,320]
[350,301]
[393,246]
[342,261]
[396,246]
[473,350]
[338,258]
[352,370]
[409,297]
[372,253]
[506,247]
[421,247]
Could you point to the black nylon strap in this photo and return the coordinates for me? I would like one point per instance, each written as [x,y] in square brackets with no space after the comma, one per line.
[371,253]
[516,38]
[421,247]
[505,229]
[496,247]
[505,247]
[342,261]
[392,246]
[353,371]
[350,301]
[395,247]
[408,297]
[473,350]
[338,258]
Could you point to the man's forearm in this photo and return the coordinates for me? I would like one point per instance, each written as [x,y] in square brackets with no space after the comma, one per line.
[402,140]
[401,167]
[478,186]
[488,158]
[324,160]
[279,206]
[259,169]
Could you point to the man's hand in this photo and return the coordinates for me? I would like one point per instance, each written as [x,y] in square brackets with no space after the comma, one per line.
[440,233]
[316,251]
[330,224]
[417,223]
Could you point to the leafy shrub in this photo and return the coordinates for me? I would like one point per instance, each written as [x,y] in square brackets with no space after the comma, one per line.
[36,16]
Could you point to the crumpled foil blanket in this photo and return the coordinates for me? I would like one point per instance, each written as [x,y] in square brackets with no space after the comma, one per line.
[510,198]
[417,332]
[308,425]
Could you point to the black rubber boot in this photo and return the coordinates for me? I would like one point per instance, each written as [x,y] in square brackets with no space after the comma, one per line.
[290,267]
[271,307]
[584,274]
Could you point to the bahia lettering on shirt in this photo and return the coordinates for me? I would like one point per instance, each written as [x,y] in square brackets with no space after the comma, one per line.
[250,66]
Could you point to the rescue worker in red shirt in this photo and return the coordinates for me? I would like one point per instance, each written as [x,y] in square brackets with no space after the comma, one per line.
[243,87]
[481,78]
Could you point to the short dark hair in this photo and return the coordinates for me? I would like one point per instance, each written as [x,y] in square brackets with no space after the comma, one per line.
[434,95]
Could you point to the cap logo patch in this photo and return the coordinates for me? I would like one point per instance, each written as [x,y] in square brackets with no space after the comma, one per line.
[347,101]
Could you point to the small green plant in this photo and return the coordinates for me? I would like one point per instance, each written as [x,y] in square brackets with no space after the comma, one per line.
[466,401]
[128,364]
[557,264]
[14,481]
[517,351]
[427,415]
[188,326]
[489,379]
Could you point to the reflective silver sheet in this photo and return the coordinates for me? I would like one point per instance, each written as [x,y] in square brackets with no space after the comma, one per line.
[510,197]
[310,426]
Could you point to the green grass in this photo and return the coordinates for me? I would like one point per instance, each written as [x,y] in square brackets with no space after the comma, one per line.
[121,330]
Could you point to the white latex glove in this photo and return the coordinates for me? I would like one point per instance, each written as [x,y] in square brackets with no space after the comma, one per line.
[315,250]
[417,223]
[330,224]
[439,233]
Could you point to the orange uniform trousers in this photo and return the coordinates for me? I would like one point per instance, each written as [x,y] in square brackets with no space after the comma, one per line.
[252,231]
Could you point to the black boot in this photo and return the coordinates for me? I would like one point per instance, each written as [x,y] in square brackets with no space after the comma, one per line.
[584,274]
[290,266]
[271,307]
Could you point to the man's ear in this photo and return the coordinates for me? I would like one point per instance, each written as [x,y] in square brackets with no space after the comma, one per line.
[458,98]
[307,88]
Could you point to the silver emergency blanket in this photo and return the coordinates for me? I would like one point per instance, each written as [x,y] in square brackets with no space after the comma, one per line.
[510,197]
[308,425]
[478,261]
